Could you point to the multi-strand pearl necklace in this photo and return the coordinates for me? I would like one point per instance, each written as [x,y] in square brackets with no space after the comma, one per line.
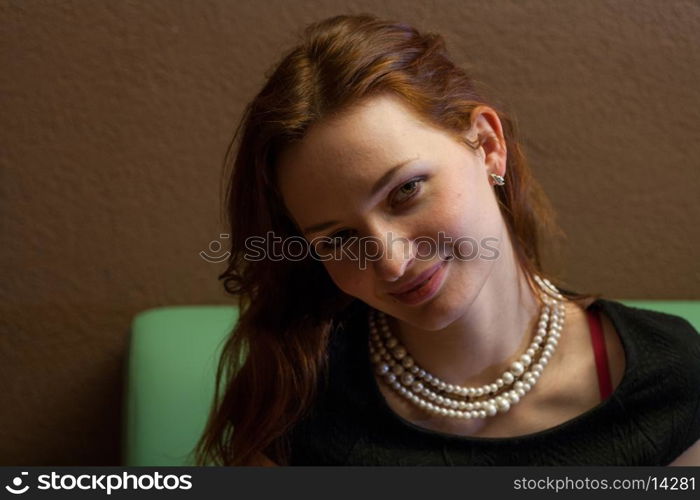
[400,371]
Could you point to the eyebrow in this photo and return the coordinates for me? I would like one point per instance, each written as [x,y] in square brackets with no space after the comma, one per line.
[378,186]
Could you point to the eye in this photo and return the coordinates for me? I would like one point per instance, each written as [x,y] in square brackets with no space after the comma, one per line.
[408,190]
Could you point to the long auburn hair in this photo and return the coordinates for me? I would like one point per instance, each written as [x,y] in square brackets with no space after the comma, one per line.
[274,361]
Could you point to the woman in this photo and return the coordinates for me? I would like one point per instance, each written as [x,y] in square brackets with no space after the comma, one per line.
[419,327]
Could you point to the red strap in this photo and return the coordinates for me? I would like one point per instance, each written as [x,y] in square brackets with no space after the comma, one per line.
[601,356]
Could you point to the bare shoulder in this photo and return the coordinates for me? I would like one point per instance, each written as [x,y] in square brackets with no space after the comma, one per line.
[615,351]
[582,346]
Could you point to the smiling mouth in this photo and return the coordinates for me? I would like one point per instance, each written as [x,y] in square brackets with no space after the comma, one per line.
[420,284]
[426,281]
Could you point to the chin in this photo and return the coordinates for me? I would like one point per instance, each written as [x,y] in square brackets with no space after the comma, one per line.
[433,318]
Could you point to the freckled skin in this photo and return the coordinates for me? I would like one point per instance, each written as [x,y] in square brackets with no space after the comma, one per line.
[328,176]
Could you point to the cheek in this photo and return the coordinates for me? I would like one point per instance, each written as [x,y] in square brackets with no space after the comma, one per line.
[474,214]
[468,224]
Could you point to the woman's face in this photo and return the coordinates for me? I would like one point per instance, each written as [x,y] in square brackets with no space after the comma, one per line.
[405,198]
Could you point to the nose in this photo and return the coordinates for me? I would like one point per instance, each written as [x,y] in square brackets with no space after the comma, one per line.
[395,256]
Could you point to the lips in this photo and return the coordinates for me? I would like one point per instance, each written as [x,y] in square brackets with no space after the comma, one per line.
[424,276]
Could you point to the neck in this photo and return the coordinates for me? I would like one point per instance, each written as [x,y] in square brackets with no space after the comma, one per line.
[477,347]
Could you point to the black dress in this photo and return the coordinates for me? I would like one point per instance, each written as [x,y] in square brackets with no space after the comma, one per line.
[650,419]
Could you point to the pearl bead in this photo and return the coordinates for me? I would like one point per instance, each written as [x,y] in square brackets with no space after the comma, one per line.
[391,343]
[406,378]
[397,369]
[407,362]
[390,378]
[382,368]
[517,368]
[491,410]
[508,378]
[504,406]
[525,359]
[399,352]
[417,386]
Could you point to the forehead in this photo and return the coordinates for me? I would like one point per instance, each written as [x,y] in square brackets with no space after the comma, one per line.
[340,158]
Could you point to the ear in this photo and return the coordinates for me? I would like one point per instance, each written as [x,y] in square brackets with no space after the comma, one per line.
[487,129]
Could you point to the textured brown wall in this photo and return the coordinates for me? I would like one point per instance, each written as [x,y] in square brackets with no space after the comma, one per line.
[115,117]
